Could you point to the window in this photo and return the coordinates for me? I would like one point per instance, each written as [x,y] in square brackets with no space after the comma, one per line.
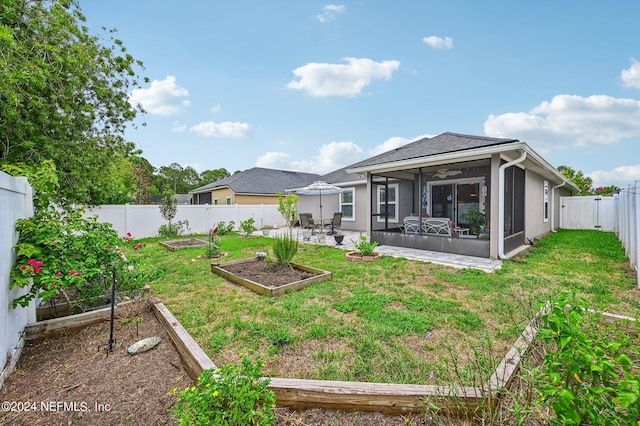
[228,201]
[546,201]
[388,199]
[216,201]
[347,204]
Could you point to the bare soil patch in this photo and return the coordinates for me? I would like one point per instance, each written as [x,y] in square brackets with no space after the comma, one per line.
[266,273]
[97,389]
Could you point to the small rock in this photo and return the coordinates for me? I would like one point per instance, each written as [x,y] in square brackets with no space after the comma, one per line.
[143,345]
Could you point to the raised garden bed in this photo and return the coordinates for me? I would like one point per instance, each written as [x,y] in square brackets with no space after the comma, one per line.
[174,245]
[65,360]
[268,279]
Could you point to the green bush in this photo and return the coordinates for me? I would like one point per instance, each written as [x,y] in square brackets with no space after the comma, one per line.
[233,395]
[589,375]
[248,226]
[170,230]
[363,246]
[224,228]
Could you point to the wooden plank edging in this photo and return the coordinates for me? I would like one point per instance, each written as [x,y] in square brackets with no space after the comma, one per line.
[52,327]
[386,398]
[193,357]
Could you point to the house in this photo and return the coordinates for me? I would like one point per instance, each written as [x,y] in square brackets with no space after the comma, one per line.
[252,186]
[421,195]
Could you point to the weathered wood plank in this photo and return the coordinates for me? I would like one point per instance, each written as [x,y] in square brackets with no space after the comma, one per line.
[381,397]
[53,327]
[194,358]
[505,372]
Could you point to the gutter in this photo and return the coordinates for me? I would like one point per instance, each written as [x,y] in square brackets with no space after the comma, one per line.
[553,201]
[523,156]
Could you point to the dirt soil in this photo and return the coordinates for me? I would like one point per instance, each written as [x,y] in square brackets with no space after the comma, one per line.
[73,378]
[266,273]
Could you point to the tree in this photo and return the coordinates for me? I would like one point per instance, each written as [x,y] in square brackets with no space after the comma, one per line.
[209,176]
[608,190]
[168,210]
[584,183]
[64,95]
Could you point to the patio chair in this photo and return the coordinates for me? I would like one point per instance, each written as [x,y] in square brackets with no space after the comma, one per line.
[306,221]
[336,222]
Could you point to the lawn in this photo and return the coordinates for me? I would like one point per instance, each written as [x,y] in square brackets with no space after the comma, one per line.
[394,321]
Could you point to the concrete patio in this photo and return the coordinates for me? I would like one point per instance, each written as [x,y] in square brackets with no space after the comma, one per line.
[446,259]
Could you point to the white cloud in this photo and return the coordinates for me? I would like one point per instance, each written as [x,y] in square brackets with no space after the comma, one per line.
[321,79]
[178,127]
[227,129]
[164,97]
[329,11]
[330,157]
[393,143]
[216,108]
[569,120]
[620,176]
[631,76]
[439,42]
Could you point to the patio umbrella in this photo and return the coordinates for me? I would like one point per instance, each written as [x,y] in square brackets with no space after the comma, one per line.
[318,188]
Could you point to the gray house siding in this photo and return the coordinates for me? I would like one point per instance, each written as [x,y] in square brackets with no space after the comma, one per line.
[534,206]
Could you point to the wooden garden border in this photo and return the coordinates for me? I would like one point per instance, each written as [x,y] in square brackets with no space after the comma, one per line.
[320,275]
[337,395]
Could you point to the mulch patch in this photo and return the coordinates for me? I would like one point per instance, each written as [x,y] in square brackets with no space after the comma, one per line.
[74,379]
[266,273]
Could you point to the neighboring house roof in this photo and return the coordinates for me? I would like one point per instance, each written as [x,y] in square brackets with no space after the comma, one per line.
[259,181]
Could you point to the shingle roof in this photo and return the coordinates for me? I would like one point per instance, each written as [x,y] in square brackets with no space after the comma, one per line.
[441,144]
[258,180]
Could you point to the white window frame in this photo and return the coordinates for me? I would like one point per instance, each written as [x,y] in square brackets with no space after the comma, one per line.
[228,200]
[545,201]
[397,211]
[352,203]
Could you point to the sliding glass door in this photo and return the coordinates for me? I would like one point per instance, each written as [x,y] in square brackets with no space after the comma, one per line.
[454,198]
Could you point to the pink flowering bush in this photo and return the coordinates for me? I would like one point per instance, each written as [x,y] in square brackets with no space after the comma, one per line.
[58,248]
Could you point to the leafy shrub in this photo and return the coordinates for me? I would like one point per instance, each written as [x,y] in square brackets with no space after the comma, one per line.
[59,249]
[224,229]
[284,248]
[170,230]
[232,395]
[364,246]
[589,376]
[248,226]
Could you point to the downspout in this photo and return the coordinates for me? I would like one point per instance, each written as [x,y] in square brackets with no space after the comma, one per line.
[553,202]
[501,202]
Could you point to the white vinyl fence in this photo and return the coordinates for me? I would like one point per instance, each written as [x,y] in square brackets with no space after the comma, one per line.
[589,212]
[15,203]
[627,221]
[144,220]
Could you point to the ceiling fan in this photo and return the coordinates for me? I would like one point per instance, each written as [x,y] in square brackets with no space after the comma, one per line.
[443,173]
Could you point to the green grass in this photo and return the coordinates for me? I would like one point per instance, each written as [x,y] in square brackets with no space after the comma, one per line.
[390,321]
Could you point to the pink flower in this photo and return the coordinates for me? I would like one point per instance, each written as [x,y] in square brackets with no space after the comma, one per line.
[72,272]
[58,274]
[138,246]
[78,273]
[37,270]
[23,267]
[54,242]
[31,262]
[129,234]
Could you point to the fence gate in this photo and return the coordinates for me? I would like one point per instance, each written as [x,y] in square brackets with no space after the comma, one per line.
[591,212]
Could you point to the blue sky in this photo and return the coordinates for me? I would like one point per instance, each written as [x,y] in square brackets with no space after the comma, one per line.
[314,86]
